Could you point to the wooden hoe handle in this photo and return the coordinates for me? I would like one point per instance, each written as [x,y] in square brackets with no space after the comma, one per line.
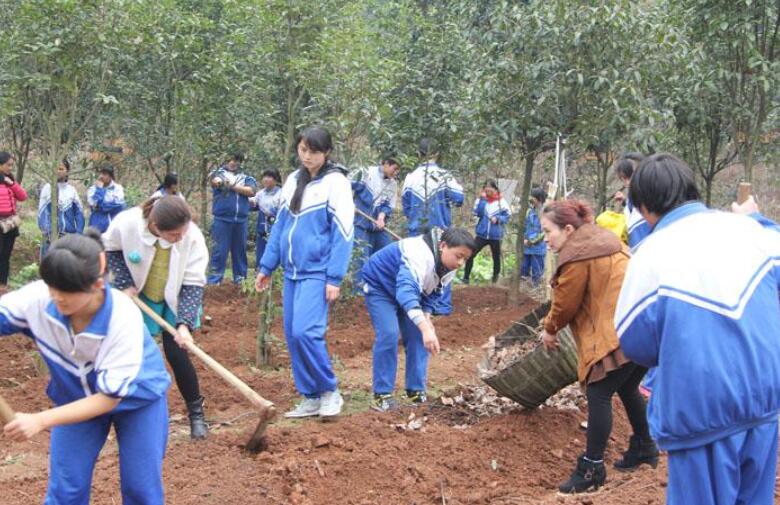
[743,192]
[7,414]
[249,393]
[388,230]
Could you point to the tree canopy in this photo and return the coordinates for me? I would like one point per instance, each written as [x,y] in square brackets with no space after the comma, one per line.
[494,82]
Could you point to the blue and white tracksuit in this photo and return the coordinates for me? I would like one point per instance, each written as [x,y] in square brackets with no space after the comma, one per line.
[638,228]
[374,194]
[534,253]
[266,203]
[700,303]
[485,212]
[114,356]
[106,203]
[427,197]
[161,192]
[313,247]
[401,286]
[69,211]
[229,229]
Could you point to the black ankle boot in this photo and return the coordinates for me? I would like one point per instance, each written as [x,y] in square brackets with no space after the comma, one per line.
[587,475]
[639,452]
[198,427]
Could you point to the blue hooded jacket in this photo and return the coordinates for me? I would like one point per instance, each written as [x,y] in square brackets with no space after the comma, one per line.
[374,194]
[315,242]
[227,205]
[266,204]
[434,189]
[69,210]
[700,303]
[486,211]
[534,234]
[106,203]
[408,271]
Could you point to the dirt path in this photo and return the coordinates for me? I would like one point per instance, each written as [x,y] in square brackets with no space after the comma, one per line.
[363,458]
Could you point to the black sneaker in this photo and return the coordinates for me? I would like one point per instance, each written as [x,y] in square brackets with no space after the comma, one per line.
[416,396]
[383,403]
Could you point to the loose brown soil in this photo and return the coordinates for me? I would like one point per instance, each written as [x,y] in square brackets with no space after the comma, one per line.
[448,455]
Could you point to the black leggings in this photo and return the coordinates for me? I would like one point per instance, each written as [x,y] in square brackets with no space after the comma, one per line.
[183,371]
[495,250]
[6,247]
[625,382]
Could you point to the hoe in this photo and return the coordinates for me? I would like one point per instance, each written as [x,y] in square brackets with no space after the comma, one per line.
[265,409]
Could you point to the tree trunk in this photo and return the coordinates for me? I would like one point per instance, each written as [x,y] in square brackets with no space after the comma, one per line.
[708,189]
[527,176]
[21,141]
[55,203]
[748,161]
[204,188]
[266,306]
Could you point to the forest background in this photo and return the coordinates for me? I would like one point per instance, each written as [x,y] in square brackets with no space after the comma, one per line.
[175,85]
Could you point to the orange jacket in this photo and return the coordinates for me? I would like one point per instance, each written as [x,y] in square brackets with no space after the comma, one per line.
[586,285]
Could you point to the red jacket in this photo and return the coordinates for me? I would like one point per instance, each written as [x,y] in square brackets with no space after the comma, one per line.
[8,197]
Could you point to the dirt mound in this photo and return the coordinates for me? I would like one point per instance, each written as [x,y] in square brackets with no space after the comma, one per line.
[466,447]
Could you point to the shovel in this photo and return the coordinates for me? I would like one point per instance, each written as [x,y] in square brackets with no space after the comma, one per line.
[265,409]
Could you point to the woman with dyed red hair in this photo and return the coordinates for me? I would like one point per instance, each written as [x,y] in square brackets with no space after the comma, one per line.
[591,265]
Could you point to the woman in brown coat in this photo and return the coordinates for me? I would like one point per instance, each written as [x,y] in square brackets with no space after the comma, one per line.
[591,264]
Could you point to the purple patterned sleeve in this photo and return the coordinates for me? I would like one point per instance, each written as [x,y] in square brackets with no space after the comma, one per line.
[190,300]
[117,266]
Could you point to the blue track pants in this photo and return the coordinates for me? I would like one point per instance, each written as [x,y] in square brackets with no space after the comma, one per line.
[228,238]
[736,470]
[305,322]
[533,266]
[142,435]
[367,242]
[389,319]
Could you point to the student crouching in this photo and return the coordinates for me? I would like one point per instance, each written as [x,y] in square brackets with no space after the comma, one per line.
[403,283]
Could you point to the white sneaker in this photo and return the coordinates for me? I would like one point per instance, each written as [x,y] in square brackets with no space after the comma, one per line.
[307,408]
[331,403]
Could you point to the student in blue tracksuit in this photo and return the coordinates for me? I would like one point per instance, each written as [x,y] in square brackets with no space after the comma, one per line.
[106,198]
[170,186]
[700,303]
[429,193]
[105,371]
[427,198]
[534,247]
[266,202]
[312,241]
[493,213]
[231,191]
[638,228]
[403,282]
[70,212]
[375,192]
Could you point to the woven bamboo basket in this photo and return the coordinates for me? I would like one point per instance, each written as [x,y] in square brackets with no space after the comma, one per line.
[540,374]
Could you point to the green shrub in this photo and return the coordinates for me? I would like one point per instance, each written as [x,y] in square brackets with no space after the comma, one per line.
[26,275]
